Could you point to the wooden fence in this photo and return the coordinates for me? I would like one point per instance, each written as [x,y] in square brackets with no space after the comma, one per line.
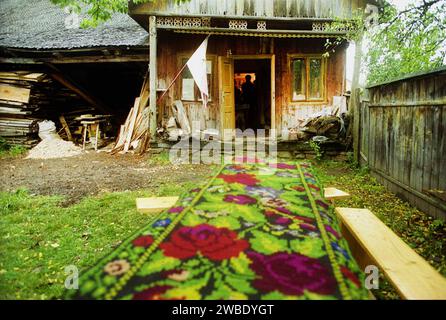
[403,138]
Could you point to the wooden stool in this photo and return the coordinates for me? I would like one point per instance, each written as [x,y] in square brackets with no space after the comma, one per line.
[91,125]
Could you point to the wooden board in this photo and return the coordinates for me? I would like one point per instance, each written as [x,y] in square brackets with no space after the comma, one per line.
[11,93]
[226,86]
[65,126]
[128,138]
[155,204]
[331,193]
[409,273]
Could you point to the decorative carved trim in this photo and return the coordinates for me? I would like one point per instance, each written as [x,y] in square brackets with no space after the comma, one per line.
[238,24]
[261,25]
[206,22]
[326,26]
[183,22]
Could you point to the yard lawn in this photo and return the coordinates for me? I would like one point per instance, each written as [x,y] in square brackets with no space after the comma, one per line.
[41,234]
[426,235]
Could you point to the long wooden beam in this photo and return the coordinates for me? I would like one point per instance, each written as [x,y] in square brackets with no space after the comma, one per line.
[63,79]
[89,59]
[152,74]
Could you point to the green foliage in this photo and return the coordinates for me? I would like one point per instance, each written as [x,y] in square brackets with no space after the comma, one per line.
[95,12]
[10,151]
[354,28]
[3,145]
[409,41]
[317,150]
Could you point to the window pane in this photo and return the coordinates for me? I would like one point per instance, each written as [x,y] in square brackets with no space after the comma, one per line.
[315,85]
[189,90]
[186,72]
[298,79]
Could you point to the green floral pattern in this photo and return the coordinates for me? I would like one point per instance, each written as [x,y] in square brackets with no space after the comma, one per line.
[255,231]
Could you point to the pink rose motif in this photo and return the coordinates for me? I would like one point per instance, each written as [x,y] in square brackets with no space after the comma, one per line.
[310,220]
[154,293]
[175,209]
[307,226]
[213,243]
[284,210]
[323,204]
[291,274]
[299,188]
[246,159]
[283,221]
[143,241]
[282,166]
[239,199]
[350,275]
[242,178]
[332,231]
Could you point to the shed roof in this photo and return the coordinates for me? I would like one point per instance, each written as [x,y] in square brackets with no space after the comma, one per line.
[39,24]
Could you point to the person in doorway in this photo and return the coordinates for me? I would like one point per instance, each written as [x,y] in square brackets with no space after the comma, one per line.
[250,97]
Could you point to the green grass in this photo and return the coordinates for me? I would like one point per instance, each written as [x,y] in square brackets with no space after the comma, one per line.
[426,235]
[8,151]
[39,238]
[158,159]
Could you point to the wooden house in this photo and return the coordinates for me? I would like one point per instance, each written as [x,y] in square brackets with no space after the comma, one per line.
[50,67]
[39,36]
[280,43]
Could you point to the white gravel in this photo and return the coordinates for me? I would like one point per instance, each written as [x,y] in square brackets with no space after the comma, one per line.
[54,148]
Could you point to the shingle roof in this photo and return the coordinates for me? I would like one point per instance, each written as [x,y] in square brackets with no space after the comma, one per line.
[39,24]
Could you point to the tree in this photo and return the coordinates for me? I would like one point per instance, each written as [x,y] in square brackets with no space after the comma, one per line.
[95,11]
[98,11]
[406,41]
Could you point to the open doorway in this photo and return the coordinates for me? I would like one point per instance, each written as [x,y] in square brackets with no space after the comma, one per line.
[252,93]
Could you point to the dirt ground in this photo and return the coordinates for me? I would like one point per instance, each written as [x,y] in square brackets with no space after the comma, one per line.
[92,173]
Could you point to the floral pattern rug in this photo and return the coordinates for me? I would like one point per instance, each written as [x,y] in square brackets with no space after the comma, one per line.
[254,231]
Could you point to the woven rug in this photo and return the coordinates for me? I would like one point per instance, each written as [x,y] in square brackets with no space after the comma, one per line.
[254,231]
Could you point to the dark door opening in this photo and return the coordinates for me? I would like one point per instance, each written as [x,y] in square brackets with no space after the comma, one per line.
[252,90]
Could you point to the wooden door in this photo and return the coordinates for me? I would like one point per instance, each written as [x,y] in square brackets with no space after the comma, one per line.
[273,92]
[226,89]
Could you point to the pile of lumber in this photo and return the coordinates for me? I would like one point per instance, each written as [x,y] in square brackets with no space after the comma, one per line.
[134,133]
[19,131]
[328,126]
[26,97]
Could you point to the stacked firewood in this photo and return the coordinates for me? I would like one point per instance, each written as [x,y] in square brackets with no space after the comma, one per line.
[26,97]
[134,133]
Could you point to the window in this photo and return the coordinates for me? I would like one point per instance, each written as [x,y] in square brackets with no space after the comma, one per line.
[189,89]
[307,79]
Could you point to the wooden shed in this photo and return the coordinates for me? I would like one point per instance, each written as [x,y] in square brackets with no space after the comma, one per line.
[280,44]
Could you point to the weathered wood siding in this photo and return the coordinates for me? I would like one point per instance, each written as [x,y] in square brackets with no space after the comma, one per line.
[252,8]
[403,138]
[288,114]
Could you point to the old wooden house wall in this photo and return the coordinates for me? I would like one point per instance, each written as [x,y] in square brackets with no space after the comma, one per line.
[253,8]
[288,114]
[403,138]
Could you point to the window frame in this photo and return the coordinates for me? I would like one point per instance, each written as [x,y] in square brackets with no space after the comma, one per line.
[307,58]
[211,86]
